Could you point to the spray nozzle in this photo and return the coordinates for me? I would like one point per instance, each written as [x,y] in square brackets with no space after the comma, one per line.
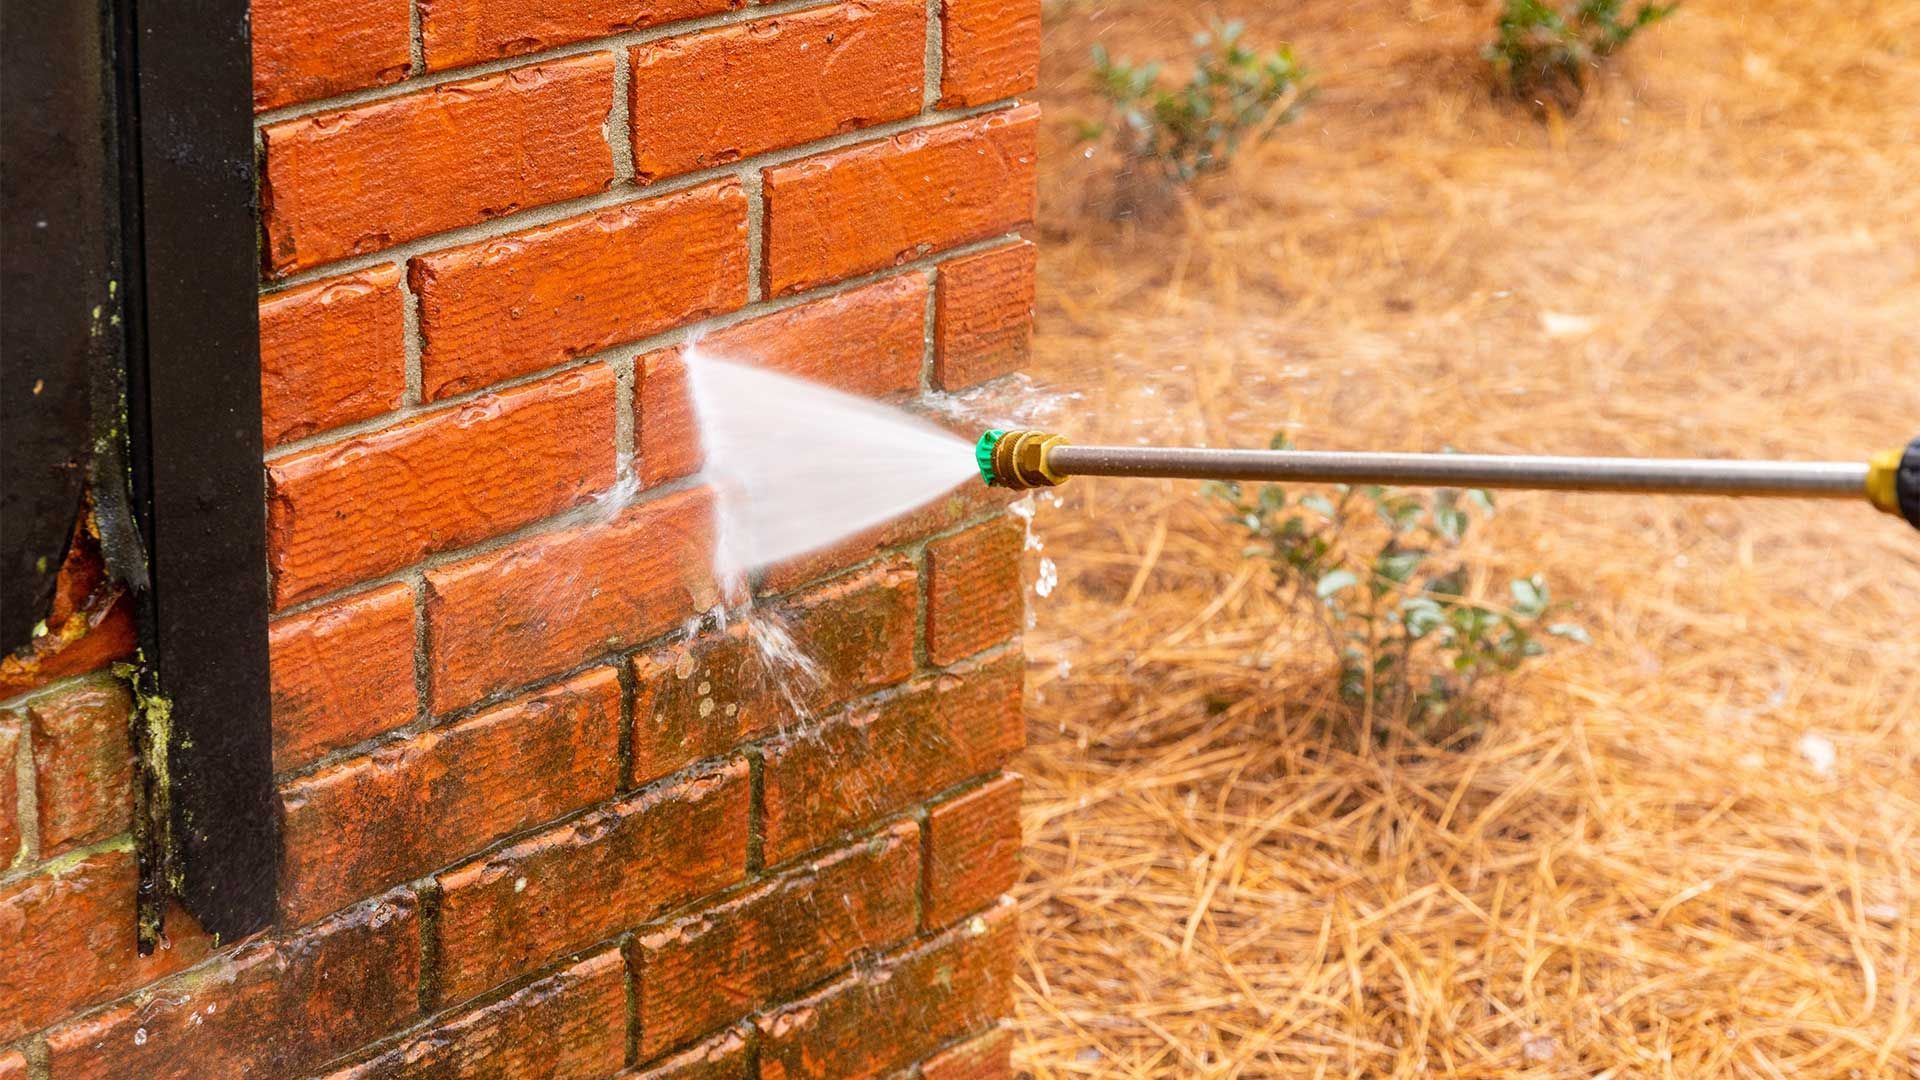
[1018,459]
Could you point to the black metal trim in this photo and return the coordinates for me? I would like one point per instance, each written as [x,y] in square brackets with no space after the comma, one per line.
[198,474]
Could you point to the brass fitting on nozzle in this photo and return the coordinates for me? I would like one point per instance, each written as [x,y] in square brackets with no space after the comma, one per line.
[1893,482]
[1017,459]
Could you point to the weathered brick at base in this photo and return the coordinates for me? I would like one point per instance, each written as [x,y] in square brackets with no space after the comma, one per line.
[276,1008]
[879,1020]
[723,962]
[983,1057]
[585,882]
[569,1026]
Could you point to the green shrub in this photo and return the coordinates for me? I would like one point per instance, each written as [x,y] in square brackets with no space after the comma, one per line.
[1371,564]
[1553,46]
[1234,93]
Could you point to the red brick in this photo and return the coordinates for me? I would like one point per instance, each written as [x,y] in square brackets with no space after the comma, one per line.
[973,850]
[723,1057]
[276,1007]
[983,1057]
[13,1065]
[568,1026]
[990,49]
[366,178]
[529,300]
[551,601]
[975,598]
[459,32]
[342,674]
[878,1021]
[870,341]
[87,641]
[702,100]
[701,971]
[702,698]
[983,318]
[584,882]
[664,425]
[307,49]
[877,759]
[968,500]
[69,934]
[83,766]
[9,790]
[378,502]
[331,353]
[868,207]
[375,821]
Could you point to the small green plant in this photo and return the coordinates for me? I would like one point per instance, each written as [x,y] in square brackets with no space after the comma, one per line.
[1234,93]
[1545,46]
[1371,563]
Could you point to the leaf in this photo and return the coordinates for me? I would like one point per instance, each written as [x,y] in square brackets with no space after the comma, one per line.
[1529,594]
[1571,631]
[1398,566]
[1318,504]
[1421,616]
[1334,581]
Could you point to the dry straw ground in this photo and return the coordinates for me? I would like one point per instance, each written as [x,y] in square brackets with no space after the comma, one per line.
[1644,868]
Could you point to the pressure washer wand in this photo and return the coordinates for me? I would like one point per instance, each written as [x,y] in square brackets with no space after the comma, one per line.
[1890,481]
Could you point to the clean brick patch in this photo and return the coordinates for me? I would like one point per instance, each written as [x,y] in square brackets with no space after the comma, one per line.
[530,300]
[357,181]
[381,501]
[341,673]
[869,341]
[850,212]
[458,32]
[715,97]
[552,601]
[990,50]
[331,352]
[307,49]
[983,322]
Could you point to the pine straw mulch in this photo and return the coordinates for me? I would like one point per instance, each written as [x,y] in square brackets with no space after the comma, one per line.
[1644,864]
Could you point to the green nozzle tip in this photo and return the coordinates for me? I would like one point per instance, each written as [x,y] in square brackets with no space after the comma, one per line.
[983,454]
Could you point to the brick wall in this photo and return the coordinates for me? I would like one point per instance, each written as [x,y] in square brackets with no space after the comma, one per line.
[539,819]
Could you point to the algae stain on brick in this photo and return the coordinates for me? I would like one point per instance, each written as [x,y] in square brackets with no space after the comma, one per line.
[151,732]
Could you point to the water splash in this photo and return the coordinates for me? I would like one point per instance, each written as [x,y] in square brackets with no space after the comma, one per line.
[797,466]
[1013,402]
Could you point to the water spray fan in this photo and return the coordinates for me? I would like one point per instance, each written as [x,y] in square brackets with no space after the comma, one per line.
[1022,460]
